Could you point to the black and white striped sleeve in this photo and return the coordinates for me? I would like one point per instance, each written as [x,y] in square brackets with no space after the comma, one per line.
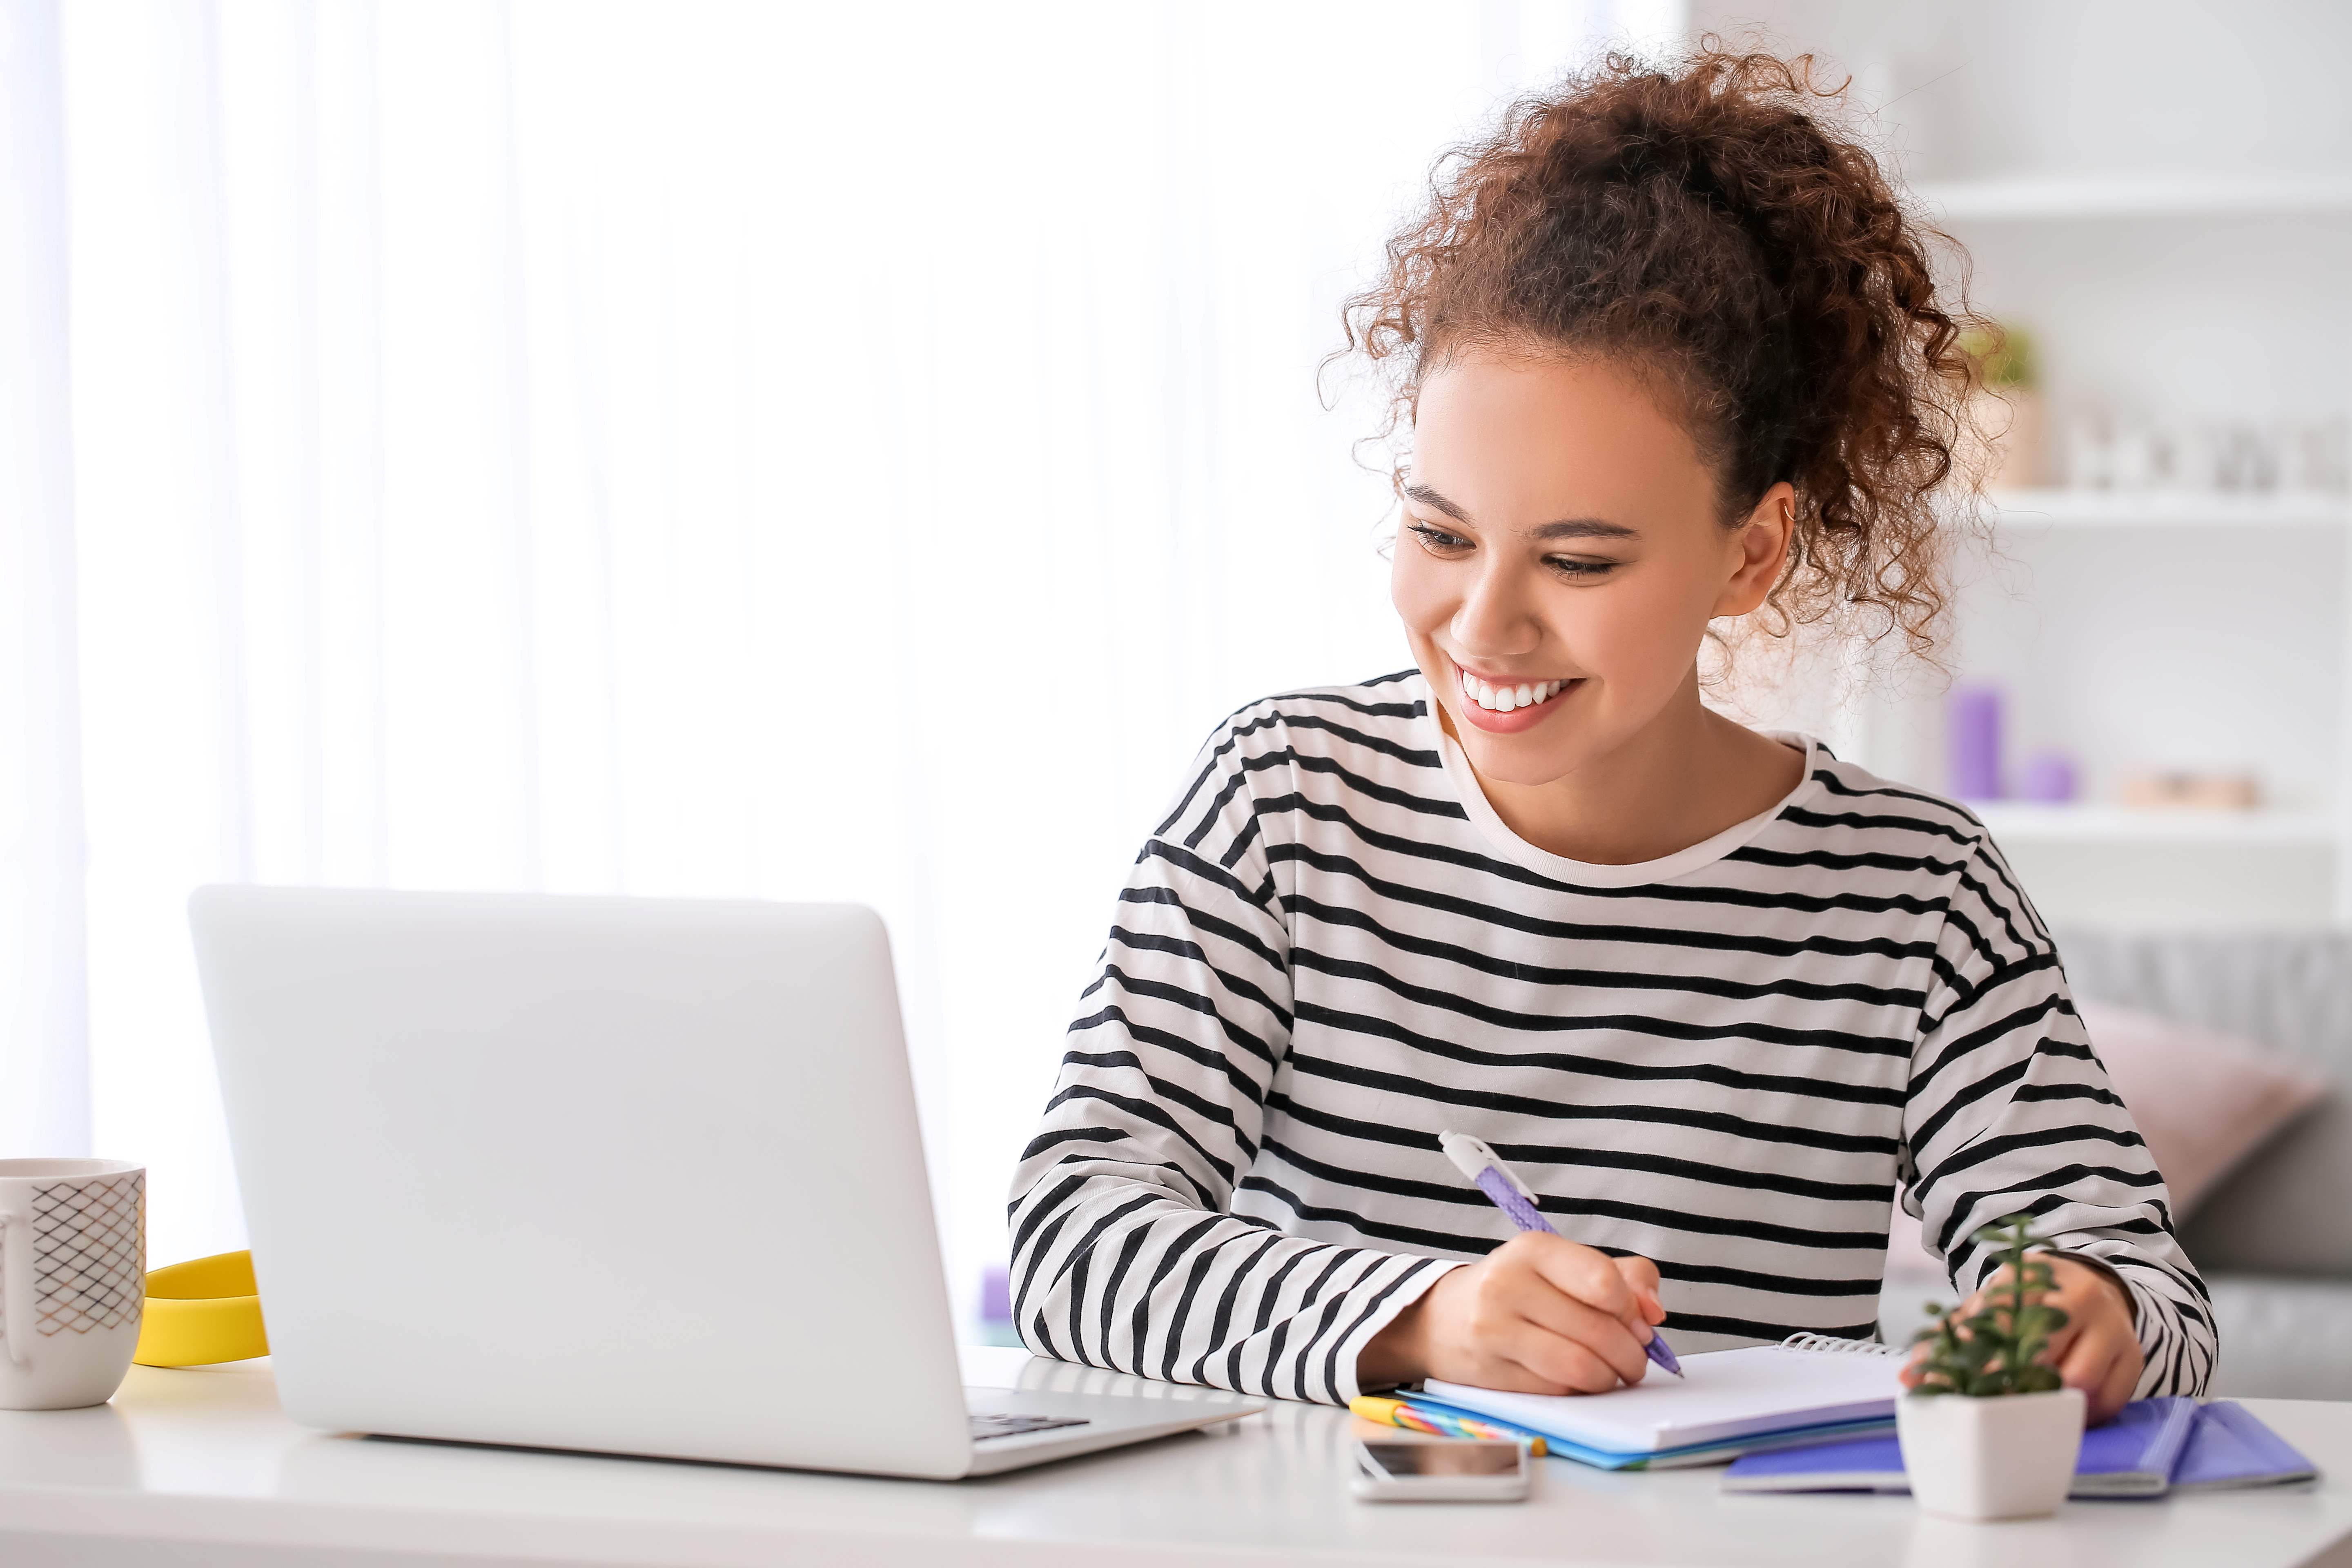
[1125,1251]
[2009,1111]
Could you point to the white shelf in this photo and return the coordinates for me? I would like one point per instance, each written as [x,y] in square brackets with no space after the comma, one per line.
[2132,508]
[2182,194]
[2021,822]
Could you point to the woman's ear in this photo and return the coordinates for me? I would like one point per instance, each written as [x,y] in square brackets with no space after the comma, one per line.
[1759,551]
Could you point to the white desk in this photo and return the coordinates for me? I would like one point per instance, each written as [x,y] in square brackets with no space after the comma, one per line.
[200,1467]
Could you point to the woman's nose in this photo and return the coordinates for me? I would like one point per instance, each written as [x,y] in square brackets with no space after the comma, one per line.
[1496,620]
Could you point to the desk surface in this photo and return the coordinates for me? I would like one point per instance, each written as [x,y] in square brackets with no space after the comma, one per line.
[201,1467]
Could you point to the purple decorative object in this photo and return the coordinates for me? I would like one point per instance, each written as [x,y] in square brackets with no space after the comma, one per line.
[2048,777]
[1973,713]
[995,1295]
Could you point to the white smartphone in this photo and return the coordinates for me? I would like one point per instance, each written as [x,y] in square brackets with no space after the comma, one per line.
[1459,1470]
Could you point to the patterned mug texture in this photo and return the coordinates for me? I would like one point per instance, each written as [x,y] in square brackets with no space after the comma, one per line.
[73,1275]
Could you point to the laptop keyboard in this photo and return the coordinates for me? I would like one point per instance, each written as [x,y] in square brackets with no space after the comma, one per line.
[983,1428]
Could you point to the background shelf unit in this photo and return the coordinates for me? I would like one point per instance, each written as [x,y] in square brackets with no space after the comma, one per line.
[2162,196]
[2134,509]
[2103,263]
[2124,196]
[2018,822]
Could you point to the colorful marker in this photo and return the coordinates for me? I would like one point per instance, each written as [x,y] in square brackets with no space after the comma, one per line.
[1441,1423]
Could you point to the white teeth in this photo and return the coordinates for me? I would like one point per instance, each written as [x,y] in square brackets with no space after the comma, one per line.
[1509,698]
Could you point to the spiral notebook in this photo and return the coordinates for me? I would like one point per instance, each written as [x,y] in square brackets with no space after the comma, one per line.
[1806,1389]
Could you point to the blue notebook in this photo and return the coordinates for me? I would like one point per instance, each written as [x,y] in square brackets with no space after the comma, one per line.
[2156,1446]
[1807,1389]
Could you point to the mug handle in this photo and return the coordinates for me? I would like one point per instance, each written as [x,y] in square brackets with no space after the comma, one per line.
[16,1303]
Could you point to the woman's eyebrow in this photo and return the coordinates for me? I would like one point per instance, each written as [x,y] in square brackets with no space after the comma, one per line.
[1566,527]
[1429,497]
[1582,528]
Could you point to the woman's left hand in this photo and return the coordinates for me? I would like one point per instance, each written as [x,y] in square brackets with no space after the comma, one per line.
[2096,1352]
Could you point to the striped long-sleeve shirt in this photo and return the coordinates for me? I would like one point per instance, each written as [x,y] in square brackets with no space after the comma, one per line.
[1732,1061]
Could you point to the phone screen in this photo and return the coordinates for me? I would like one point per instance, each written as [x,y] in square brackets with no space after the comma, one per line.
[1446,1458]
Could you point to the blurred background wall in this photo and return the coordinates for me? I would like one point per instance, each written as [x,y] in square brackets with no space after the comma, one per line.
[673,449]
[858,452]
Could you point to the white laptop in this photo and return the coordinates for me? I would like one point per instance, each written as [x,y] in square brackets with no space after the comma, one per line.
[632,1175]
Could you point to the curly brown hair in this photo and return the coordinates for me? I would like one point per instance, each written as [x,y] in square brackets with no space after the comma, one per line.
[1760,269]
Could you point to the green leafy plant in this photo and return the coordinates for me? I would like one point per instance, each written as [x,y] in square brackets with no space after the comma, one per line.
[1997,1349]
[2004,356]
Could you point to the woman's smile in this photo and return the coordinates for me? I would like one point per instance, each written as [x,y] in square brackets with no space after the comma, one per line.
[1505,705]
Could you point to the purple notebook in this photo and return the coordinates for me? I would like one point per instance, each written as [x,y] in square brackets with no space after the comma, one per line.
[2230,1448]
[2156,1446]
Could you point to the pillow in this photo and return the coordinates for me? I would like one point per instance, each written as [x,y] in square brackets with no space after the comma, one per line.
[2203,1101]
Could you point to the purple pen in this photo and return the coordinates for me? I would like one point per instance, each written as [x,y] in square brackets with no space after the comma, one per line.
[1500,1183]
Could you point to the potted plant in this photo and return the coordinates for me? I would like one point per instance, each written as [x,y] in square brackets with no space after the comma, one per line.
[1989,1433]
[2004,446]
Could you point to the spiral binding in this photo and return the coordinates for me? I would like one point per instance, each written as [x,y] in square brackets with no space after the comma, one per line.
[1830,1344]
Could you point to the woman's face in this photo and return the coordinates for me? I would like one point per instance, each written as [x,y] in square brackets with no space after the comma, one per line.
[1562,548]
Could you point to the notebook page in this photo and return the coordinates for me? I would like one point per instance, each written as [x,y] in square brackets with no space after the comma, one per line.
[1722,1394]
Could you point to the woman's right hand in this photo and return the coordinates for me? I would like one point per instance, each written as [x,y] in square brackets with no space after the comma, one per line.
[1539,1314]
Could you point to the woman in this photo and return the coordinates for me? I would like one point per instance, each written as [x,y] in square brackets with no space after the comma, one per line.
[1671,356]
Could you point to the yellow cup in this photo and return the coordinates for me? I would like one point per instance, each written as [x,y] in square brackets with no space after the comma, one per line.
[204,1310]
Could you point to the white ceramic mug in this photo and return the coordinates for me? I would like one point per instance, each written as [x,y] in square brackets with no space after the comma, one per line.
[73,1279]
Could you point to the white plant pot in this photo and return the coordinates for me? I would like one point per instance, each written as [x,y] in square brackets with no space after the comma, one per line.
[2012,1456]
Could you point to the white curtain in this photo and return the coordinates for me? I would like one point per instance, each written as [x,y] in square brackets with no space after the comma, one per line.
[811,451]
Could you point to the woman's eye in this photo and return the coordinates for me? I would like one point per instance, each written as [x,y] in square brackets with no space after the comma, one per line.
[1437,539]
[1570,566]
